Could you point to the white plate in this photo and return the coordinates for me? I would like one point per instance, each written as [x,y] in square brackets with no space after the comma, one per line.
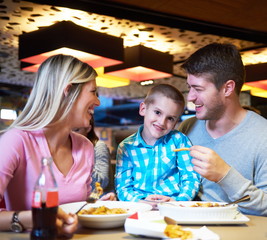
[106,221]
[184,210]
[239,219]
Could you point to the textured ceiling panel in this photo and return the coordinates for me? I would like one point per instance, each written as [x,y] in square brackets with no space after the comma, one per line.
[17,17]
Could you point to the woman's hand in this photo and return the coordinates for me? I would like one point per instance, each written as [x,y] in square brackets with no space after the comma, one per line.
[108,197]
[67,224]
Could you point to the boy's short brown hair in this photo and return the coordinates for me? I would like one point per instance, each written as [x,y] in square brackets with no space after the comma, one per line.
[166,90]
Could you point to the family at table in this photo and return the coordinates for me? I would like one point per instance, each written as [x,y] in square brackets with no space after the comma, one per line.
[226,145]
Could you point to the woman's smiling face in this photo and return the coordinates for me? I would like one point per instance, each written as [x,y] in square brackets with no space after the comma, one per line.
[84,106]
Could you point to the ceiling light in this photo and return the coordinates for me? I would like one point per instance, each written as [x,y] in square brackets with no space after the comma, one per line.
[256,88]
[95,48]
[254,56]
[8,114]
[142,63]
[145,83]
[256,82]
[109,81]
[29,67]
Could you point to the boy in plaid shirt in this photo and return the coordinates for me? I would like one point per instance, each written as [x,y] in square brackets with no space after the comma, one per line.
[147,167]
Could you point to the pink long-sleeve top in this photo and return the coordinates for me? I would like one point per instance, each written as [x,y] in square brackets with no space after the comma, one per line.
[20,164]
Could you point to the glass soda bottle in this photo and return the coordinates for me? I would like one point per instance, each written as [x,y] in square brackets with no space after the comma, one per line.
[45,203]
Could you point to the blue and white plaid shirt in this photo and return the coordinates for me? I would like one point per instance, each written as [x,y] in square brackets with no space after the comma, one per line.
[142,169]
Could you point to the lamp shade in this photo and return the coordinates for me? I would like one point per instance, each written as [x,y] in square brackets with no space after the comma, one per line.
[142,63]
[108,81]
[258,84]
[256,88]
[256,80]
[95,48]
[29,67]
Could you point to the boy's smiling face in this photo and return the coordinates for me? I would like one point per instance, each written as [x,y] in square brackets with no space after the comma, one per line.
[160,117]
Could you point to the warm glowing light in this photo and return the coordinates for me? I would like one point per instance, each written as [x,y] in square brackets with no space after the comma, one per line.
[92,47]
[93,60]
[259,93]
[142,63]
[31,68]
[262,84]
[254,56]
[111,81]
[257,88]
[8,114]
[140,73]
[100,70]
[145,83]
[108,81]
[246,87]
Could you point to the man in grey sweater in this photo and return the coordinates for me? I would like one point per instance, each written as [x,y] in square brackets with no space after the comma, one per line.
[230,143]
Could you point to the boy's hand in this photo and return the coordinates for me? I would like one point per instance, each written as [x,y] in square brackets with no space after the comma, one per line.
[108,197]
[153,200]
[159,198]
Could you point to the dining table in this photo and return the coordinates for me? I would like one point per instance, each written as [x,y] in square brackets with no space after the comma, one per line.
[254,229]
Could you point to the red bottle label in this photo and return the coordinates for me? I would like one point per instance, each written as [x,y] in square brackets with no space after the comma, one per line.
[37,199]
[52,199]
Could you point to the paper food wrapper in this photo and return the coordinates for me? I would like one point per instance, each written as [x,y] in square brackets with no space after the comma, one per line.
[152,224]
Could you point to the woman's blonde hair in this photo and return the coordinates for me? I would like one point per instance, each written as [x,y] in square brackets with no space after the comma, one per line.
[47,102]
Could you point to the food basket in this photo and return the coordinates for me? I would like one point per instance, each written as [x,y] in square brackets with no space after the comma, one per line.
[197,210]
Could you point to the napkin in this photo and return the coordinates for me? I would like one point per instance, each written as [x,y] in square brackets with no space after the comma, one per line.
[151,224]
[203,233]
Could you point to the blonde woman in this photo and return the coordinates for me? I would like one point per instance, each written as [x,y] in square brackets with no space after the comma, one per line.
[63,97]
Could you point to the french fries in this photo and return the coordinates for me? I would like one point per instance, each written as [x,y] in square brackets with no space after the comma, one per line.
[103,210]
[176,231]
[181,149]
[98,188]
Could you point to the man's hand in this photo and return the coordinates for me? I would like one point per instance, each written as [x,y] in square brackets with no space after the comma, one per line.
[208,163]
